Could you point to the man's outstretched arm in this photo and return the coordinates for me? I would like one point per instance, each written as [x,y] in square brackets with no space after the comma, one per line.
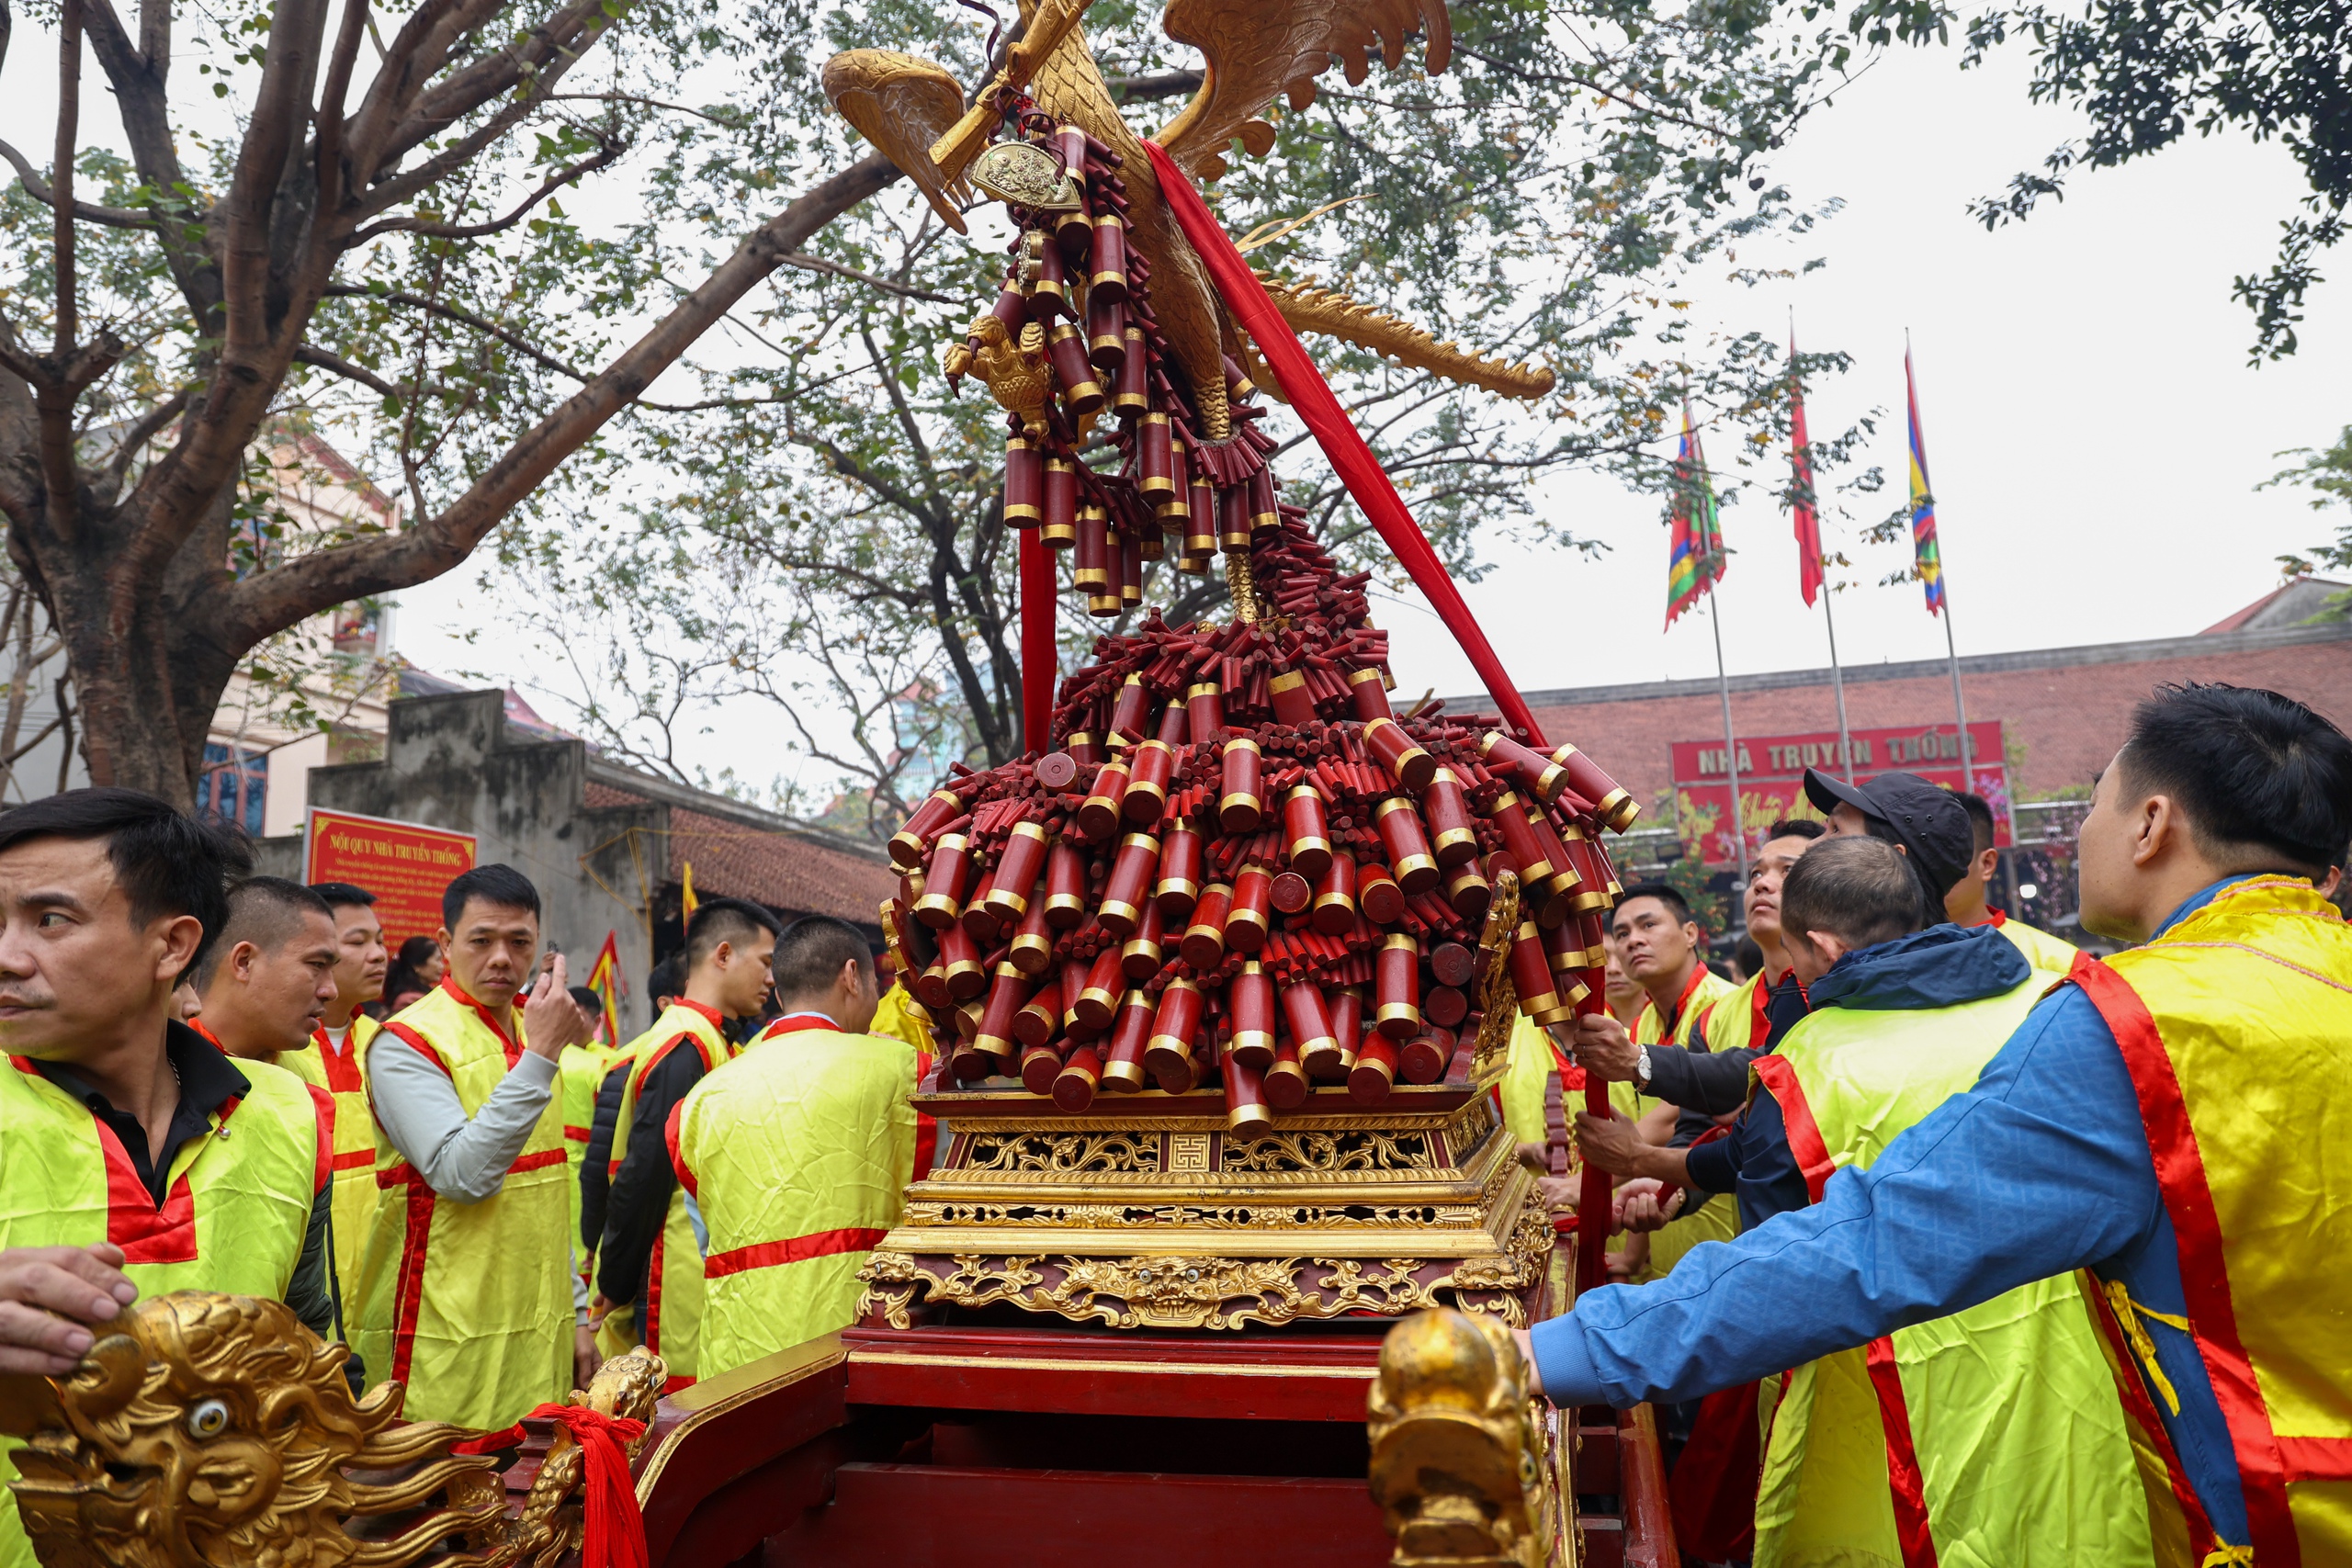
[2040,1169]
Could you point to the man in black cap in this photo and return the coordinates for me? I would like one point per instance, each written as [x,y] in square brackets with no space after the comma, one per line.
[1925,821]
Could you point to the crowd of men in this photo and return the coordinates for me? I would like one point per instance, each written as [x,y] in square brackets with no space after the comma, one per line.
[476,1195]
[1944,1243]
[1966,1247]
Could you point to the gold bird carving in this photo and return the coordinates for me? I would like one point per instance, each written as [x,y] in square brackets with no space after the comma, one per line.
[1016,373]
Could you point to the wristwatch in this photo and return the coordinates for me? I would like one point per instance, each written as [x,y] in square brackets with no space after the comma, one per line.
[1642,1066]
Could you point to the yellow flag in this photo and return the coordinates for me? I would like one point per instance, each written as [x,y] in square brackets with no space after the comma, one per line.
[687,899]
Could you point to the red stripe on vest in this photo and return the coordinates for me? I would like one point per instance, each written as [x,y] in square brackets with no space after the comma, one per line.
[342,1066]
[1903,1474]
[652,1335]
[145,1232]
[325,1103]
[795,1024]
[418,1042]
[408,1293]
[354,1159]
[1780,1080]
[2204,1271]
[506,1042]
[2137,1405]
[575,1134]
[677,1161]
[799,1249]
[407,1175]
[2317,1458]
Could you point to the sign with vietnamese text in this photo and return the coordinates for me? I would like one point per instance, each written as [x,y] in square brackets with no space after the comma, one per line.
[404,864]
[1772,777]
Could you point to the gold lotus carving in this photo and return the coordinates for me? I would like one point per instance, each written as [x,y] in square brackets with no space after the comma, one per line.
[1364,1149]
[1061,1154]
[1211,1292]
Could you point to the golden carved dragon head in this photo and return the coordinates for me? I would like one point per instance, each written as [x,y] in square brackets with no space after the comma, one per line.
[214,1431]
[1459,1450]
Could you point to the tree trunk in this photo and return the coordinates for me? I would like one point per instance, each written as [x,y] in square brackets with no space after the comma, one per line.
[150,668]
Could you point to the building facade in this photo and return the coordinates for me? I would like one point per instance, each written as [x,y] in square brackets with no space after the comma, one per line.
[606,846]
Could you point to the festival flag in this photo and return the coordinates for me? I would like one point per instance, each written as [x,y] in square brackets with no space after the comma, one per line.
[1807,519]
[1923,502]
[605,979]
[1697,562]
[687,902]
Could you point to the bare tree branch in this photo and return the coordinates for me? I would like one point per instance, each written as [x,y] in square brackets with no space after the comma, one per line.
[278,598]
[88,212]
[818,263]
[611,152]
[306,355]
[506,335]
[144,430]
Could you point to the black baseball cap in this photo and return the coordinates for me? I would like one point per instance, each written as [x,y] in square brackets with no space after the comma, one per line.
[1927,820]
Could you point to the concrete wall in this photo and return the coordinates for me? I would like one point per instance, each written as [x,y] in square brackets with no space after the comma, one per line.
[452,762]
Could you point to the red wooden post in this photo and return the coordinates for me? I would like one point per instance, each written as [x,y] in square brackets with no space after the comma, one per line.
[1038,668]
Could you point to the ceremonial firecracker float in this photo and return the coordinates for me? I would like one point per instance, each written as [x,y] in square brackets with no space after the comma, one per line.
[1222,969]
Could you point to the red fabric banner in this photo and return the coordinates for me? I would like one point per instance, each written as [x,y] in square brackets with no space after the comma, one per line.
[1038,666]
[1804,514]
[1312,399]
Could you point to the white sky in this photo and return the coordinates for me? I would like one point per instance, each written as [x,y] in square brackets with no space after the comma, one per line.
[2094,427]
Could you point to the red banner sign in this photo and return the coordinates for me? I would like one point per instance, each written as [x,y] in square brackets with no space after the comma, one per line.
[1772,777]
[404,864]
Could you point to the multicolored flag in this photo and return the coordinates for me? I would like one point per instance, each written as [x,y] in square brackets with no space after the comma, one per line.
[1801,509]
[605,979]
[1931,561]
[1696,563]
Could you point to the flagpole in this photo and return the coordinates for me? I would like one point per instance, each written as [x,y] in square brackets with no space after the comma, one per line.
[1837,680]
[1730,742]
[1959,704]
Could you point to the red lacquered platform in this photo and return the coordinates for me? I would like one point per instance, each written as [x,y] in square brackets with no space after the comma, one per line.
[969,1446]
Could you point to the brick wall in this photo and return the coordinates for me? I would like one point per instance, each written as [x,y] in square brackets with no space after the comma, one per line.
[2067,708]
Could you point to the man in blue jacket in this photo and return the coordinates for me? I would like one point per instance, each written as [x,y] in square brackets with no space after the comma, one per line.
[2202,841]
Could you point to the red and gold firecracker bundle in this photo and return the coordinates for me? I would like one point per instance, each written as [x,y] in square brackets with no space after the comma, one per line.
[1236,867]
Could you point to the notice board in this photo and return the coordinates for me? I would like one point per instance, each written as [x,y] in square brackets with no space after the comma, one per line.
[404,864]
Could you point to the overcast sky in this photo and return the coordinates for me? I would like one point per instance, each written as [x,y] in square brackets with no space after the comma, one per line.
[2094,429]
[2093,425]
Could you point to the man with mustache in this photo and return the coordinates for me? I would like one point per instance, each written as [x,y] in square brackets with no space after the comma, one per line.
[138,1157]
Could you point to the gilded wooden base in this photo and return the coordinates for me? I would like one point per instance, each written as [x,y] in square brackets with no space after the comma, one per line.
[1144,1214]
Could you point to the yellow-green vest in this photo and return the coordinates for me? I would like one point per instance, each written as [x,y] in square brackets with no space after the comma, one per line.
[234,1216]
[468,1304]
[1704,1217]
[344,1077]
[1989,1439]
[673,1289]
[579,1073]
[2046,954]
[799,1151]
[2236,1026]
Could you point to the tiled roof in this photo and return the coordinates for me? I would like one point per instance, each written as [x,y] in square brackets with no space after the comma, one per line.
[2287,604]
[2068,712]
[785,871]
[597,796]
[735,857]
